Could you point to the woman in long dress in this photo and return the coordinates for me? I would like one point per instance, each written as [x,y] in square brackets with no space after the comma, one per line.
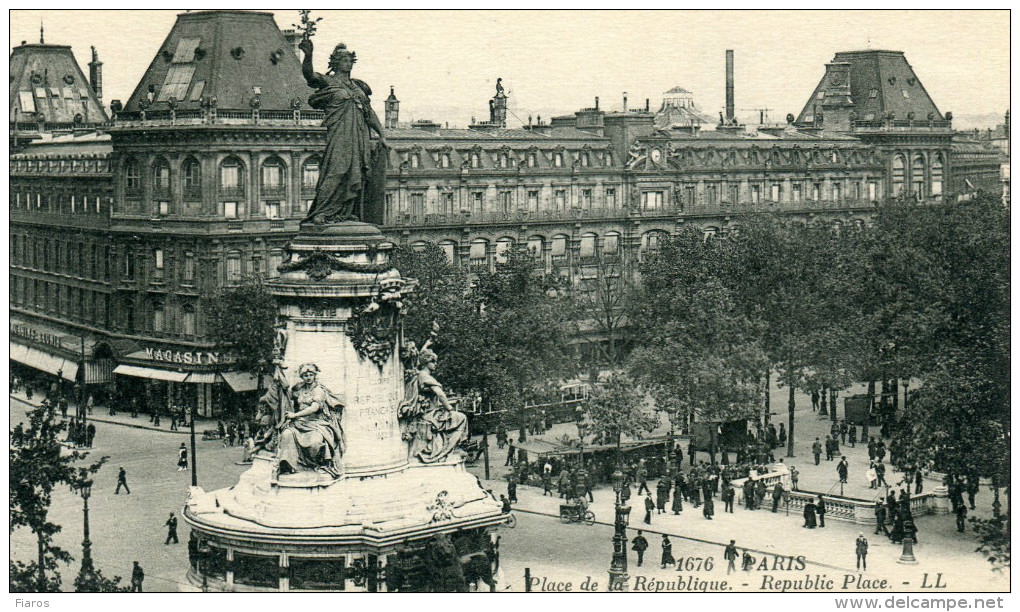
[311,438]
[809,515]
[433,426]
[667,552]
[352,171]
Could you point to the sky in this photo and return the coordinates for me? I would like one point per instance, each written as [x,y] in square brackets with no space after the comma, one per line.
[444,64]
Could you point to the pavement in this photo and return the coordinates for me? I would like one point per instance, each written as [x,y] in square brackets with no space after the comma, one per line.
[130,527]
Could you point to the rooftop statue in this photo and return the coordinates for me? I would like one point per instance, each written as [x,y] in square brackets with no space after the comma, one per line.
[352,174]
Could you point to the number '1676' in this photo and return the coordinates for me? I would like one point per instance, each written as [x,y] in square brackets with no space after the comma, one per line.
[695,564]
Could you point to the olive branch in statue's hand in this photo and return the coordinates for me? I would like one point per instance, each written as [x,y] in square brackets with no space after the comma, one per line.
[308,25]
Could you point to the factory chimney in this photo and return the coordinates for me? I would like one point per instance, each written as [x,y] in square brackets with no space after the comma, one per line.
[729,87]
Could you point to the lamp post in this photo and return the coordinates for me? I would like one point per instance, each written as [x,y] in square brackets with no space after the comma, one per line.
[85,575]
[618,566]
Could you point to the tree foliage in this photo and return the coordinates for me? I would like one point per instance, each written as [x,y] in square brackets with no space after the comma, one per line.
[616,408]
[242,321]
[38,464]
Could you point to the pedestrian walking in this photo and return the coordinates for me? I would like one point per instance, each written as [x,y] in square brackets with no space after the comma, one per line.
[872,476]
[749,494]
[728,495]
[171,529]
[782,434]
[182,458]
[861,548]
[639,545]
[661,495]
[510,454]
[880,473]
[759,494]
[692,453]
[809,515]
[814,401]
[853,435]
[829,448]
[972,489]
[730,554]
[880,518]
[667,552]
[561,483]
[794,477]
[747,563]
[678,498]
[961,517]
[777,495]
[137,576]
[546,484]
[588,481]
[708,510]
[122,482]
[871,448]
[816,450]
[918,482]
[641,475]
[511,489]
[820,511]
[843,430]
[649,506]
[843,470]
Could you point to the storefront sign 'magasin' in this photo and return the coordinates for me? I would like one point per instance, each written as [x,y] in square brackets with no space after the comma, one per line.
[187,357]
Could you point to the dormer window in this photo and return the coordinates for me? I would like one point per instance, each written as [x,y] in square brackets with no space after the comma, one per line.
[415,160]
[558,160]
[444,160]
[476,160]
[532,160]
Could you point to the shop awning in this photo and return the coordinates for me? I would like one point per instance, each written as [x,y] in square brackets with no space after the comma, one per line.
[202,378]
[41,360]
[153,373]
[241,382]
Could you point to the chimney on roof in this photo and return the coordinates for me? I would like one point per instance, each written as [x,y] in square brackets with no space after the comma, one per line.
[624,101]
[96,76]
[597,107]
[293,39]
[648,104]
[729,87]
[392,110]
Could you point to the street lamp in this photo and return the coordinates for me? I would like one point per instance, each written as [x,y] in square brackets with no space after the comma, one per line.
[618,566]
[84,488]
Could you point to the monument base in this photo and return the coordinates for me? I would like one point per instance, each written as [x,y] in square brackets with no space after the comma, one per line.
[308,531]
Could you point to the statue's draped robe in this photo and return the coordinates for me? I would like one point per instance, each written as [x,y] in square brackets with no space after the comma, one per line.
[315,440]
[349,173]
[434,430]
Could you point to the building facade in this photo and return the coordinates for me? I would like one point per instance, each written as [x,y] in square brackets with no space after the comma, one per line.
[122,234]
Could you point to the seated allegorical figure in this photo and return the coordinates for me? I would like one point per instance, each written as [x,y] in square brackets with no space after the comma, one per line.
[311,438]
[433,427]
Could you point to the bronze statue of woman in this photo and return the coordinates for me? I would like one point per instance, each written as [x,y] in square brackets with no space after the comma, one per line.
[352,174]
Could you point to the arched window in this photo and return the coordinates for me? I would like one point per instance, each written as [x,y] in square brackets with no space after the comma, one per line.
[917,177]
[310,173]
[191,179]
[161,178]
[503,245]
[188,320]
[936,175]
[558,160]
[898,169]
[588,242]
[233,267]
[611,244]
[476,160]
[232,177]
[609,158]
[132,176]
[158,317]
[275,261]
[415,161]
[449,249]
[444,160]
[273,183]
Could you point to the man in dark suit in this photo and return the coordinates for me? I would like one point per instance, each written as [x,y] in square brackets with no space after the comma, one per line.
[820,511]
[639,545]
[171,529]
[649,506]
[122,482]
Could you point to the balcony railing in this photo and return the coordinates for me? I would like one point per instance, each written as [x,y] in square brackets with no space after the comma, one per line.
[308,118]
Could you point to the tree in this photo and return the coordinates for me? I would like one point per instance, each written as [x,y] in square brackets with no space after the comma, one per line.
[242,322]
[602,299]
[699,355]
[38,464]
[617,408]
[501,337]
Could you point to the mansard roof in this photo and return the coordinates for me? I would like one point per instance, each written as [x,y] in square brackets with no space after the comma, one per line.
[239,57]
[47,84]
[881,82]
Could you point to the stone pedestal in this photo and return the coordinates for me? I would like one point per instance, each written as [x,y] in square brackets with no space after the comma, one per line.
[940,501]
[340,301]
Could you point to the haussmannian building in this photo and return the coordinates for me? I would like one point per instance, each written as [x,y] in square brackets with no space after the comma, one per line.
[124,227]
